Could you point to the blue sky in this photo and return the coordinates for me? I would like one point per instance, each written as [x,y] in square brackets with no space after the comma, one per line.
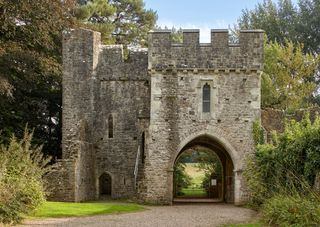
[202,14]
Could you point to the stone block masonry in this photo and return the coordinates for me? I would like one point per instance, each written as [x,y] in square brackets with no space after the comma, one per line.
[153,102]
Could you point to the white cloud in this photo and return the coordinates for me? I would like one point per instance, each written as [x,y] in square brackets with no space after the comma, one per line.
[205,28]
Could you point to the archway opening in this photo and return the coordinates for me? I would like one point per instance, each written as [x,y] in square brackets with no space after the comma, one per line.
[105,185]
[203,170]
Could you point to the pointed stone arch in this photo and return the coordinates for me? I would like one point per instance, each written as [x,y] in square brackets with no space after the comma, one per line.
[227,154]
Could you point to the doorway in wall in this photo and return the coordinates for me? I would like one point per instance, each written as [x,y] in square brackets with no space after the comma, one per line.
[105,185]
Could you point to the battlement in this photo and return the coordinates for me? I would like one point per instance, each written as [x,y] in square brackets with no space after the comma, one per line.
[84,57]
[218,54]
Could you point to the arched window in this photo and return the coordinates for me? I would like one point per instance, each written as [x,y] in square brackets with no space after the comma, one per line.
[110,126]
[206,98]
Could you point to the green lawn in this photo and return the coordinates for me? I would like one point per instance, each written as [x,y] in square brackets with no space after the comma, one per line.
[187,192]
[62,209]
[195,189]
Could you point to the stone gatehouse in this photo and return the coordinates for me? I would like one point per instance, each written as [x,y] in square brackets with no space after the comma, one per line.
[125,121]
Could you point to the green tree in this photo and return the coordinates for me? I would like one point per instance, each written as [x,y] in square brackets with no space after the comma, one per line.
[288,77]
[30,66]
[181,178]
[308,26]
[31,59]
[119,21]
[284,21]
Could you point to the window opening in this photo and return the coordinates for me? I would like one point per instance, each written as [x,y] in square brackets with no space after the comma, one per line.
[206,98]
[110,126]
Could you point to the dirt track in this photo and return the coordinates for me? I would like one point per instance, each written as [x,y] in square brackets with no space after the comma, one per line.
[176,216]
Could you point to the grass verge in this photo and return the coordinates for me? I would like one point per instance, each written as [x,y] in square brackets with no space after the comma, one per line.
[244,225]
[64,209]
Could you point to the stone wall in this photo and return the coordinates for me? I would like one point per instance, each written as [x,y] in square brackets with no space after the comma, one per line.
[59,186]
[123,92]
[152,100]
[99,84]
[178,74]
[274,119]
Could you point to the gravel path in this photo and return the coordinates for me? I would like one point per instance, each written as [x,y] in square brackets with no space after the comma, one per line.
[176,216]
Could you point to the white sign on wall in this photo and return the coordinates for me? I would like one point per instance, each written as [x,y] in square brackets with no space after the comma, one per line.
[213,182]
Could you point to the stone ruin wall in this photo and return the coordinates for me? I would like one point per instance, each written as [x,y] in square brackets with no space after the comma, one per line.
[158,93]
[123,91]
[99,82]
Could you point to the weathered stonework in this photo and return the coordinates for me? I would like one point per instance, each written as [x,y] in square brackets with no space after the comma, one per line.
[152,103]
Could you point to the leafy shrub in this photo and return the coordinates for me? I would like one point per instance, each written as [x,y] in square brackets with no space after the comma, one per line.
[294,210]
[281,175]
[182,179]
[291,159]
[21,186]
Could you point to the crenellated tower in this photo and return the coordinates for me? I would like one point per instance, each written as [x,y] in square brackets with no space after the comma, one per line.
[202,94]
[127,119]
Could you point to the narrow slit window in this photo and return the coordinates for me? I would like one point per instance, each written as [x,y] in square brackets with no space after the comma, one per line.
[206,98]
[110,126]
[142,147]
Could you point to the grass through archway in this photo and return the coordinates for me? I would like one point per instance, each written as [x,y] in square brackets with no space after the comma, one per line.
[198,174]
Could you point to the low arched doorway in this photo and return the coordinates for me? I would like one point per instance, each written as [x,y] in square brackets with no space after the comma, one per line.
[105,185]
[217,185]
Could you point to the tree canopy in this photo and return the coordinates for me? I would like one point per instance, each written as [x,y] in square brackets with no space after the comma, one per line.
[282,21]
[291,78]
[288,79]
[119,21]
[31,57]
[30,66]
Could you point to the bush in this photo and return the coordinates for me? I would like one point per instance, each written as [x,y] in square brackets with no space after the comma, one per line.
[281,176]
[292,210]
[21,186]
[291,159]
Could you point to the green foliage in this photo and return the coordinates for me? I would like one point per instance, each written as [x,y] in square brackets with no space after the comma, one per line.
[209,162]
[119,21]
[292,210]
[308,24]
[30,69]
[288,78]
[244,225]
[293,159]
[63,209]
[255,183]
[181,178]
[284,21]
[282,176]
[291,78]
[21,186]
[258,133]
